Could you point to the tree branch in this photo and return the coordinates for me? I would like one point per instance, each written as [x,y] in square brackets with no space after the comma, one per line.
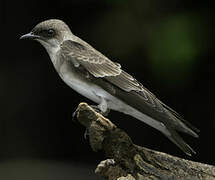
[129,161]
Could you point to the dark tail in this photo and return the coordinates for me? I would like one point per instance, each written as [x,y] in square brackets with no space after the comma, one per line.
[185,126]
[176,139]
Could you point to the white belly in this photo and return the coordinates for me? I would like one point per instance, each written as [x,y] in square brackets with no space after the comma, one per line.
[86,89]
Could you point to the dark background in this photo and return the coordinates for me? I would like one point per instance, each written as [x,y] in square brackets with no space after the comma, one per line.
[167,45]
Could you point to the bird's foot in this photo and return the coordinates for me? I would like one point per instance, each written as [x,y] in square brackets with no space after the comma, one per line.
[98,110]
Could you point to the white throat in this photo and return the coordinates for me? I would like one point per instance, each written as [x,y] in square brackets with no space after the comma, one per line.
[52,46]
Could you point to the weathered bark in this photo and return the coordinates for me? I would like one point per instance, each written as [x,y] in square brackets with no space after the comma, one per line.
[129,161]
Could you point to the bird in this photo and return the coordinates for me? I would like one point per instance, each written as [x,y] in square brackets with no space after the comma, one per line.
[95,76]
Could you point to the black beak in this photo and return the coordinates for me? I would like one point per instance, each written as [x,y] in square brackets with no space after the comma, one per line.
[30,35]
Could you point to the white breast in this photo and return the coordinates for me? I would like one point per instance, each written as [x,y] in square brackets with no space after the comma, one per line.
[81,86]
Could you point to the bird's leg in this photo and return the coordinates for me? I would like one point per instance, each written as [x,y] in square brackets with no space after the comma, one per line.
[103,105]
[97,109]
[106,112]
[102,108]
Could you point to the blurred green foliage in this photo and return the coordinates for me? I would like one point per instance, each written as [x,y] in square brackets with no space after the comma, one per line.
[169,42]
[172,47]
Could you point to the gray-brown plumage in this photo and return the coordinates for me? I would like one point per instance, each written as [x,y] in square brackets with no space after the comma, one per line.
[103,81]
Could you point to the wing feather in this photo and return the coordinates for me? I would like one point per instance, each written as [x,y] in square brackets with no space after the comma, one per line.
[93,61]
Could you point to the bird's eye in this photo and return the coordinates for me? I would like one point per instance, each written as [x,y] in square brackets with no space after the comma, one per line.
[50,32]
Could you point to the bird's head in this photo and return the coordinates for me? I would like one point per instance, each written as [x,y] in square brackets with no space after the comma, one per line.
[49,33]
